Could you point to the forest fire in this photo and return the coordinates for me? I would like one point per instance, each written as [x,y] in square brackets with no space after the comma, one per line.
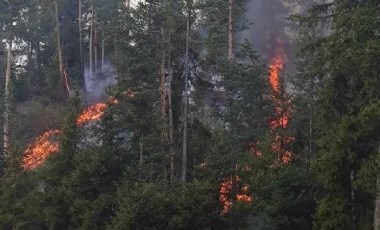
[281,117]
[93,113]
[227,188]
[276,66]
[36,153]
[47,144]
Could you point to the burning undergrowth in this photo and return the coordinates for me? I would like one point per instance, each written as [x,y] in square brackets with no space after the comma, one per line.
[48,143]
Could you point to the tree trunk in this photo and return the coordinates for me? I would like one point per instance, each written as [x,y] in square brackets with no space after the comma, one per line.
[29,58]
[128,3]
[230,30]
[163,89]
[62,70]
[170,108]
[91,42]
[103,48]
[376,221]
[7,103]
[39,67]
[95,44]
[186,101]
[80,34]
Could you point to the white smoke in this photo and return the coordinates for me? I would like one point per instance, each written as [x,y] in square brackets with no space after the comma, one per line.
[98,81]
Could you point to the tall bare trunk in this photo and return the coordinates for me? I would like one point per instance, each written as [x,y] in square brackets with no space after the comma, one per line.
[186,99]
[103,48]
[7,100]
[376,221]
[80,33]
[128,3]
[230,29]
[163,89]
[62,69]
[91,41]
[30,51]
[95,31]
[39,66]
[170,108]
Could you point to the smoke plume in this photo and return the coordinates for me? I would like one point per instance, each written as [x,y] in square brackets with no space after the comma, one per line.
[97,82]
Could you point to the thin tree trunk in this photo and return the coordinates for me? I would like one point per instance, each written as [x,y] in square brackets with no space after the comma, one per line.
[186,99]
[80,34]
[230,30]
[128,3]
[163,90]
[7,100]
[39,67]
[171,123]
[95,43]
[62,69]
[141,161]
[29,63]
[103,48]
[91,41]
[376,221]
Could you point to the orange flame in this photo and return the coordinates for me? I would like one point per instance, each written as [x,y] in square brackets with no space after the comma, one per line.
[281,117]
[225,197]
[93,113]
[276,66]
[36,153]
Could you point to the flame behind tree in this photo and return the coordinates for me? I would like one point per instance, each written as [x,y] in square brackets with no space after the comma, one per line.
[280,119]
[46,144]
[226,196]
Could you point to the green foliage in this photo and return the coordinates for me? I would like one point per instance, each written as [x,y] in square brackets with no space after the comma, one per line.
[152,206]
[339,78]
[114,173]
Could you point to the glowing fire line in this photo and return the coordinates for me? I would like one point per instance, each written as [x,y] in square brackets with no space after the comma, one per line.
[36,153]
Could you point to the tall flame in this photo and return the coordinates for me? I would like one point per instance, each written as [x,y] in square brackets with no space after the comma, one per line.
[276,66]
[281,117]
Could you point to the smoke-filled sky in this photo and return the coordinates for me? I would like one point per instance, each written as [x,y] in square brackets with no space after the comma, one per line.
[271,27]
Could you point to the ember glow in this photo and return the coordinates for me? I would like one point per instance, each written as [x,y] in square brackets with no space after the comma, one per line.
[226,197]
[44,145]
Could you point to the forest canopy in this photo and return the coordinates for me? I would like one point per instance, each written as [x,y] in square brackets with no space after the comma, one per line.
[190,114]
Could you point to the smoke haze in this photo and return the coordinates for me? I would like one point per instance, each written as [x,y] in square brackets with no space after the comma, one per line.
[271,27]
[98,82]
